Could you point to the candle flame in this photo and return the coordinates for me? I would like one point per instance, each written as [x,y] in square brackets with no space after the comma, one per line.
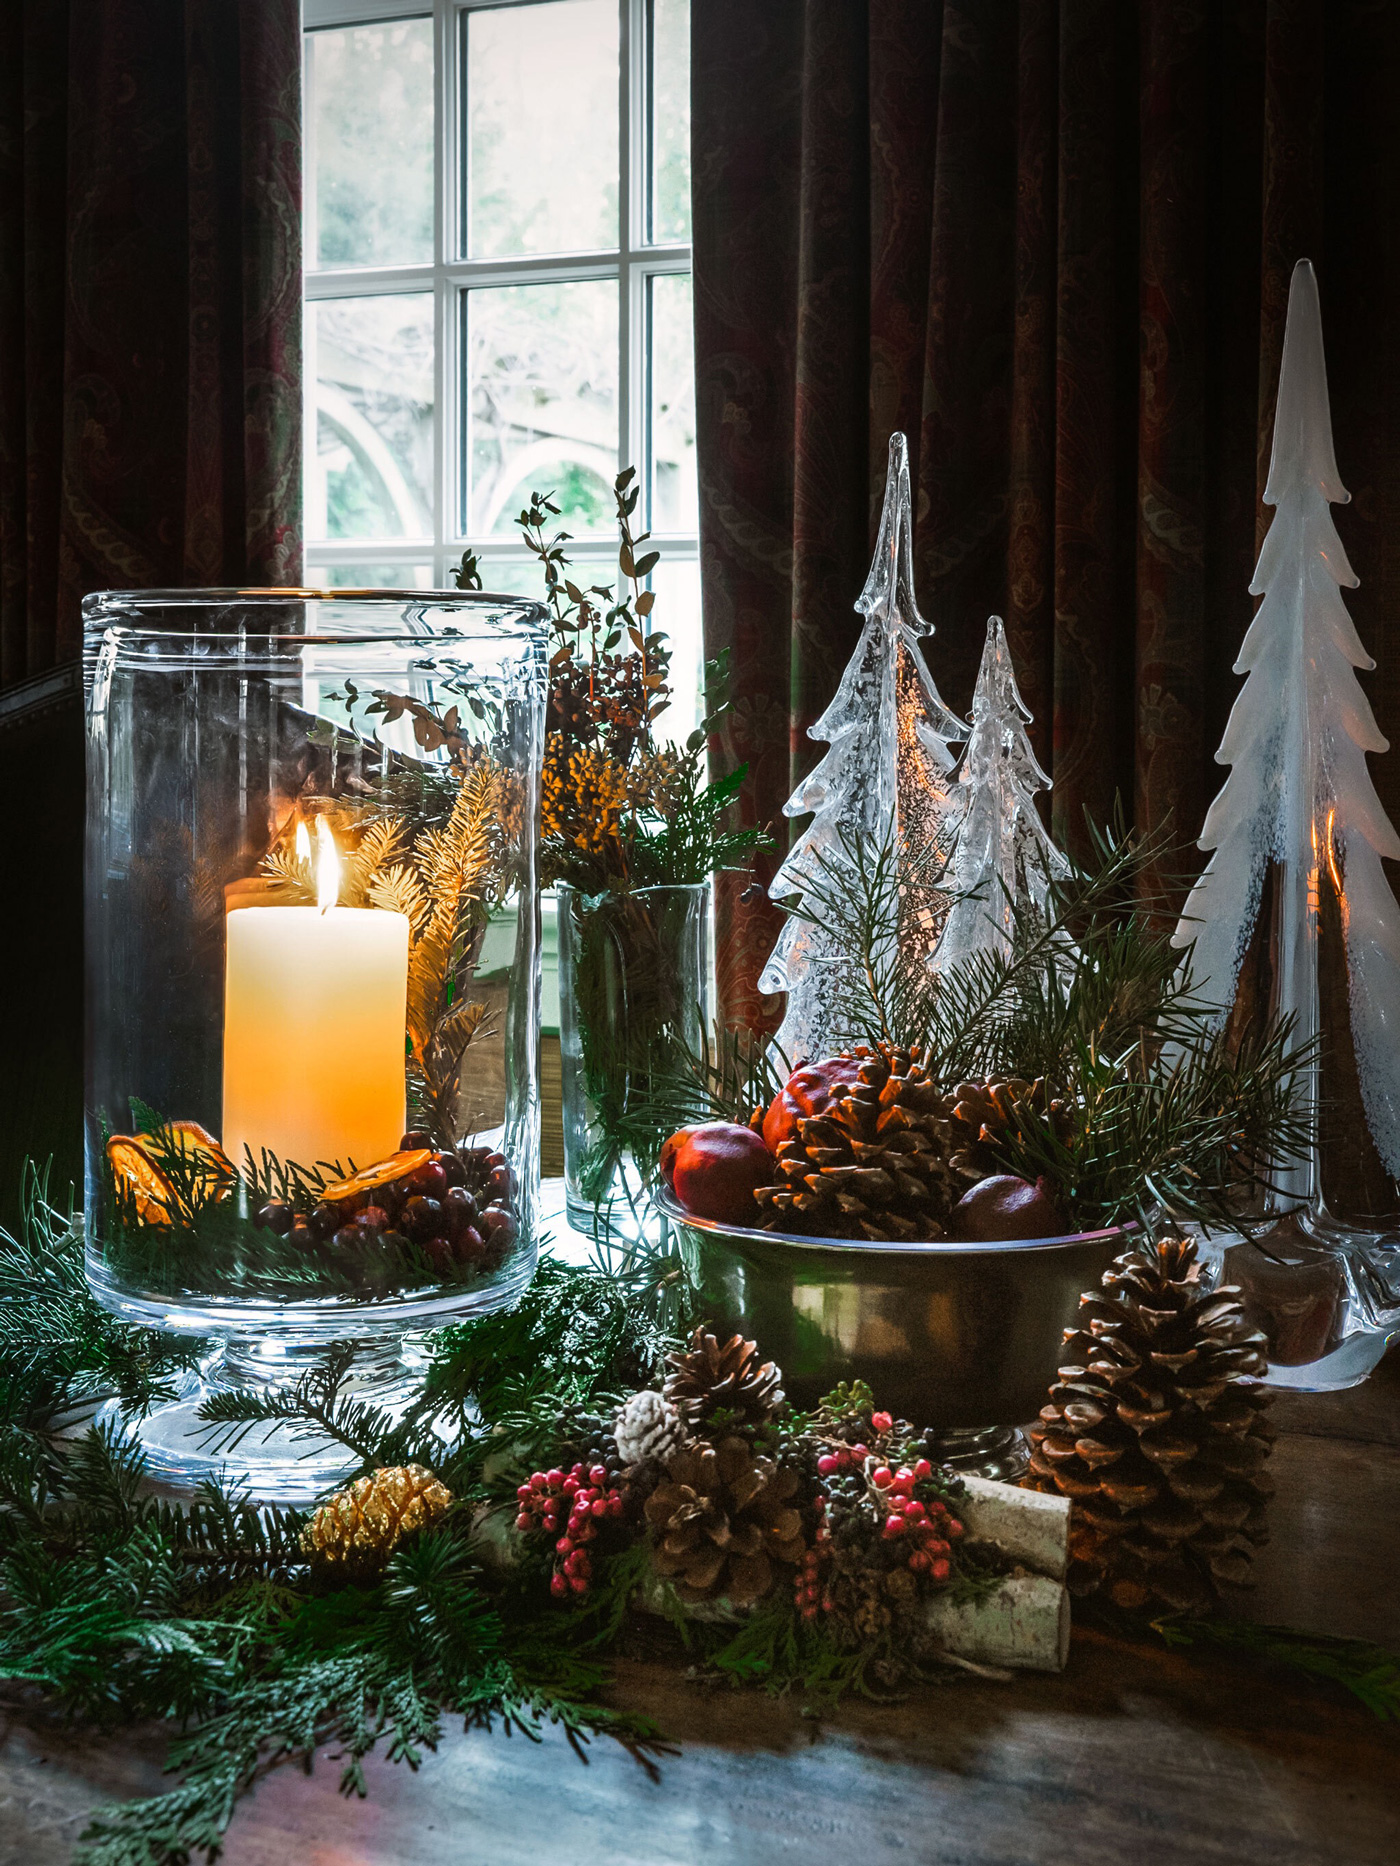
[303,842]
[327,866]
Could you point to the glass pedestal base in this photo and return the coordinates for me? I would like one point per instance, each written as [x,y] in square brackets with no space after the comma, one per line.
[998,1452]
[293,1462]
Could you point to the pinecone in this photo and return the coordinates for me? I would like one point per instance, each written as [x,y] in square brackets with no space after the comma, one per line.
[984,1110]
[723,1517]
[711,1378]
[878,1164]
[351,1537]
[1153,1435]
[648,1429]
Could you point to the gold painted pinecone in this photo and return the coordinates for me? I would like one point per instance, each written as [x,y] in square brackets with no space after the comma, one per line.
[723,1520]
[1153,1435]
[984,1110]
[878,1164]
[351,1537]
[710,1378]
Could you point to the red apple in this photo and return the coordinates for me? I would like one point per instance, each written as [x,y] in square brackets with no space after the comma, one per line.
[809,1090]
[718,1168]
[669,1150]
[1003,1208]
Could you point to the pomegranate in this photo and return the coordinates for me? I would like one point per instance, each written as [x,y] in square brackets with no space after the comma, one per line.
[1004,1208]
[809,1090]
[717,1169]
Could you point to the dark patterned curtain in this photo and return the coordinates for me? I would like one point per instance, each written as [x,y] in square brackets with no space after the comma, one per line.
[1052,242]
[150,415]
[150,305]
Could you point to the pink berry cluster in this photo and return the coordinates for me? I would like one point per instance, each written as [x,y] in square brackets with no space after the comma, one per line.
[579,1500]
[928,1525]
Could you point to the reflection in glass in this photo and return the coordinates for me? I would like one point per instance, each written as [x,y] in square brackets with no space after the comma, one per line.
[541,108]
[370,143]
[371,473]
[670,120]
[674,504]
[541,386]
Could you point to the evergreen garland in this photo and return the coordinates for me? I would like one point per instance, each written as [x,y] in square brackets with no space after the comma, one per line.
[117,1606]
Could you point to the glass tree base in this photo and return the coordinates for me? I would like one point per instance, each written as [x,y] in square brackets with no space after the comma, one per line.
[292,1463]
[998,1452]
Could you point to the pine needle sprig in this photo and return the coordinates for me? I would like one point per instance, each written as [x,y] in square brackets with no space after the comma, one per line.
[1369,1672]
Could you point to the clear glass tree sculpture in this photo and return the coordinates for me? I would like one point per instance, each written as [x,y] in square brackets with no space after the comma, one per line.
[1003,861]
[1294,894]
[884,782]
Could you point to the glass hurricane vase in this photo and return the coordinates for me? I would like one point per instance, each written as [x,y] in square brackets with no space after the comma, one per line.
[634,1009]
[312,1110]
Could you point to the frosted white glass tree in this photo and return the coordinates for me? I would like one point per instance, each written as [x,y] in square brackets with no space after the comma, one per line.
[886,777]
[1002,860]
[1299,793]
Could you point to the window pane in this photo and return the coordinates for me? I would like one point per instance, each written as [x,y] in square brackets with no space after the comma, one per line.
[371,474]
[674,501]
[670,120]
[677,616]
[541,385]
[371,142]
[371,577]
[541,103]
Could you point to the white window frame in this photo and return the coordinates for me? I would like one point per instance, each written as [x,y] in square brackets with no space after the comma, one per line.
[633,264]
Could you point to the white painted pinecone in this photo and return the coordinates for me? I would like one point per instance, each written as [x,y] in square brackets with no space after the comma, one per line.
[648,1428]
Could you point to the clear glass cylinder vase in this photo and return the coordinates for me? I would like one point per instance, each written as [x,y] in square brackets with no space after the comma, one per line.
[312,942]
[634,1011]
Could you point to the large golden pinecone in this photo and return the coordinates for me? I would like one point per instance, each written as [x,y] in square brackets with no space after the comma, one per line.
[723,1519]
[878,1164]
[351,1537]
[1153,1434]
[710,1378]
[983,1111]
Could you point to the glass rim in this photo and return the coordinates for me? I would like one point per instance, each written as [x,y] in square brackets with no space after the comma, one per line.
[125,612]
[656,887]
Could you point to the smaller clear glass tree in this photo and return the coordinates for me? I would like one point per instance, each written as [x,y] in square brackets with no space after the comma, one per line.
[1003,862]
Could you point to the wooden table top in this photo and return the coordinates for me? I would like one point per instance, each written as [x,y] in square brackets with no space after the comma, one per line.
[1135,1755]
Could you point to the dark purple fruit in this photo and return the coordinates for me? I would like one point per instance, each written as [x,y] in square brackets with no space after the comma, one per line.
[373,1218]
[275,1216]
[415,1140]
[325,1219]
[346,1242]
[499,1225]
[452,1168]
[501,1183]
[494,1158]
[429,1182]
[301,1236]
[469,1246]
[440,1255]
[1002,1209]
[422,1218]
[459,1208]
[393,1241]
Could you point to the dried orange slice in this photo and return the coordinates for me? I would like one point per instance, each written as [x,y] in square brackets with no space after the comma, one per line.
[382,1173]
[150,1191]
[197,1145]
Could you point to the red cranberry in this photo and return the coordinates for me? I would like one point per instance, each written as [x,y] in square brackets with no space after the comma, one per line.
[459,1208]
[501,1183]
[373,1218]
[301,1236]
[429,1182]
[469,1246]
[325,1219]
[346,1242]
[275,1216]
[415,1140]
[453,1169]
[496,1219]
[423,1218]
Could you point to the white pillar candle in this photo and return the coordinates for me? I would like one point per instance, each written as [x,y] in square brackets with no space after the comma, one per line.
[314,1005]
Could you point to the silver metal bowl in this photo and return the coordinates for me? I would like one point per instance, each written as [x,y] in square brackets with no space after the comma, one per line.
[950,1335]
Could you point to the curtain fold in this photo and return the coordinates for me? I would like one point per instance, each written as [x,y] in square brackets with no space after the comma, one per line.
[150,305]
[1052,242]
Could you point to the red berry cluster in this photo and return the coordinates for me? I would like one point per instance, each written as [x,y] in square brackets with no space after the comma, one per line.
[844,1458]
[584,1492]
[925,1521]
